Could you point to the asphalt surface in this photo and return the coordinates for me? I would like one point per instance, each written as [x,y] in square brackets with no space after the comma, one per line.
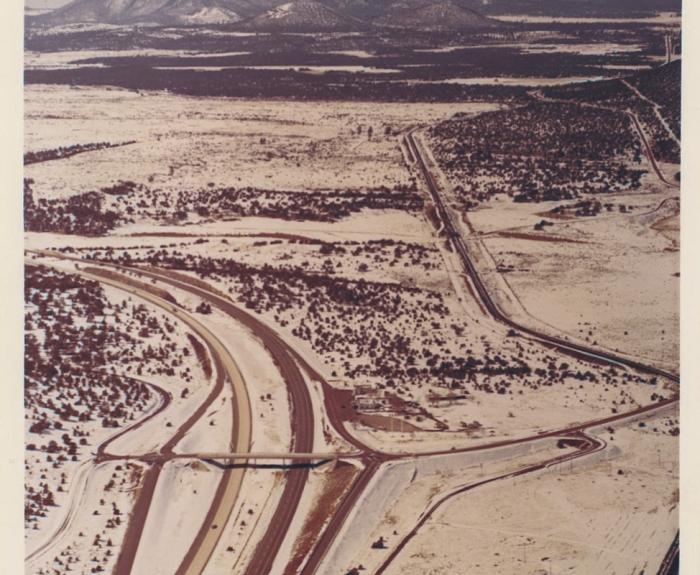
[590,445]
[649,153]
[288,360]
[671,563]
[302,417]
[567,347]
[375,458]
[635,122]
[577,350]
[229,485]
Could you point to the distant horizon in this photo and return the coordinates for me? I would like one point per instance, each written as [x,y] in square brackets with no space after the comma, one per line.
[45,4]
[49,4]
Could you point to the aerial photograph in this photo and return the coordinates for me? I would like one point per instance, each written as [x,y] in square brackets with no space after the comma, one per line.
[351,287]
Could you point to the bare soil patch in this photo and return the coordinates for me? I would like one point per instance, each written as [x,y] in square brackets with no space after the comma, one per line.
[337,484]
[387,423]
[539,238]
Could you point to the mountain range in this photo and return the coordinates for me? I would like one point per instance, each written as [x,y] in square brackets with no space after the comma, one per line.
[273,15]
[301,15]
[443,15]
[324,15]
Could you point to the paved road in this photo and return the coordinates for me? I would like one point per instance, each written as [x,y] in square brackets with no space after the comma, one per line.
[588,446]
[373,459]
[455,238]
[564,346]
[670,564]
[649,153]
[302,416]
[81,479]
[668,45]
[229,486]
[657,110]
[288,362]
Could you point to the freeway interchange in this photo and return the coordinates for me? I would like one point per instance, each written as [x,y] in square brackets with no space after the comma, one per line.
[303,455]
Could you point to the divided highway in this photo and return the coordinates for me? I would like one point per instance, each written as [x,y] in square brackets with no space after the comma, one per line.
[229,486]
[302,415]
[456,239]
[289,362]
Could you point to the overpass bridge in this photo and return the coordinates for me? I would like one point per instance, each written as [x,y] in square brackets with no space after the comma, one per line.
[232,457]
[270,456]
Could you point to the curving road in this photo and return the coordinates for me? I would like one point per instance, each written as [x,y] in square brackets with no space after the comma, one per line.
[302,415]
[83,475]
[230,483]
[648,152]
[455,238]
[588,445]
[289,361]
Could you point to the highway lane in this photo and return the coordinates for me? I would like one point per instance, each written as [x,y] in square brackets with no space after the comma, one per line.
[374,459]
[649,153]
[567,347]
[590,445]
[455,238]
[229,486]
[303,419]
[268,547]
[285,357]
[587,445]
[573,349]
[330,533]
[81,479]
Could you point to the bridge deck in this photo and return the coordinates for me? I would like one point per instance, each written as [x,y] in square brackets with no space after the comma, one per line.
[266,456]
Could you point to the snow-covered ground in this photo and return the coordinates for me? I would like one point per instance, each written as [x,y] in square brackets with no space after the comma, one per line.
[66,479]
[667,18]
[188,143]
[182,497]
[72,59]
[403,491]
[508,81]
[95,522]
[585,288]
[617,514]
[588,267]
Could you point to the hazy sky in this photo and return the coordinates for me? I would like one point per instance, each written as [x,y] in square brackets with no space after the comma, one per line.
[667,4]
[46,3]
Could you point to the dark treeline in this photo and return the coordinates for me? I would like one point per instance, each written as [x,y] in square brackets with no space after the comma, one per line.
[67,151]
